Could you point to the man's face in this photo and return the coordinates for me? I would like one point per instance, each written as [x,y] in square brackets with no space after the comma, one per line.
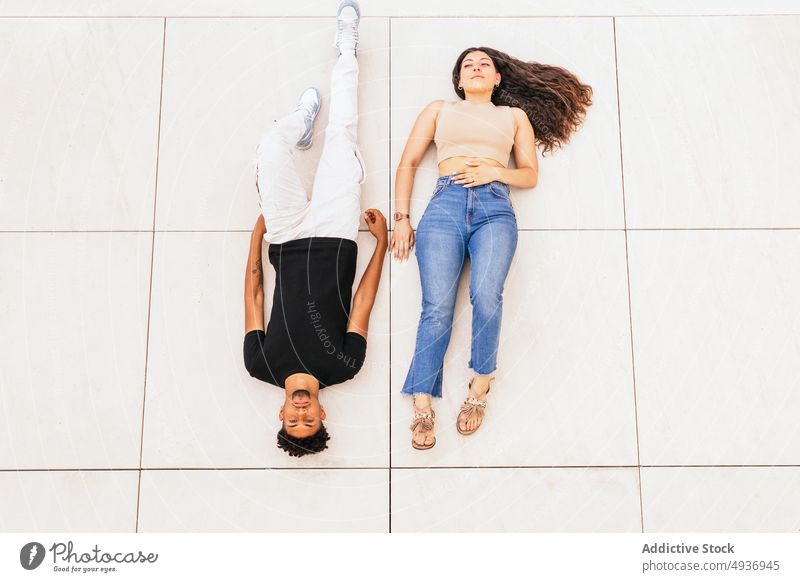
[301,414]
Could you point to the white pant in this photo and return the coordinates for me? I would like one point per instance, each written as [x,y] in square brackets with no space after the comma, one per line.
[335,205]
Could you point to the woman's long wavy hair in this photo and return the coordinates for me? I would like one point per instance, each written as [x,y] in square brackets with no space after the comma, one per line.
[553,98]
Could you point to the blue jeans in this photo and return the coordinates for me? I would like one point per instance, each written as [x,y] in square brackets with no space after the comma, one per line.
[461,222]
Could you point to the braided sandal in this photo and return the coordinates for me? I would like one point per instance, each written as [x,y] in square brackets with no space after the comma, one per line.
[423,421]
[471,406]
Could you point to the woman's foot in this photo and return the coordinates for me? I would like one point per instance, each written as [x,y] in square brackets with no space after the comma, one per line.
[474,408]
[422,427]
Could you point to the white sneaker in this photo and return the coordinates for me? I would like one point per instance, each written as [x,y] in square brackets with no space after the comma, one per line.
[347,17]
[308,104]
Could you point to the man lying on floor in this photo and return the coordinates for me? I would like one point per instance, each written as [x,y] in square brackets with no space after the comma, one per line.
[315,338]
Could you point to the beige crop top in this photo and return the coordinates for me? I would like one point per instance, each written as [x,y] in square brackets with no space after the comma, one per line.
[479,130]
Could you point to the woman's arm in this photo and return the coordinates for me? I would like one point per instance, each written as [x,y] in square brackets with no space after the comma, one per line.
[254,281]
[417,144]
[527,172]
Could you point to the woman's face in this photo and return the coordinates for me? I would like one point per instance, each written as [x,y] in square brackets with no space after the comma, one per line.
[478,74]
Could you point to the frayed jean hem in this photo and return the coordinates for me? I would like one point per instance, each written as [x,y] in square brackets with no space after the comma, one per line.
[413,391]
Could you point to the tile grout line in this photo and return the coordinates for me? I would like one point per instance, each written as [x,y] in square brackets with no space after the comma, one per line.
[148,230]
[389,372]
[599,229]
[402,468]
[628,279]
[384,16]
[152,261]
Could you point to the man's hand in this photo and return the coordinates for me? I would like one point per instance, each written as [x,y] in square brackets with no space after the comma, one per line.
[475,174]
[376,222]
[260,226]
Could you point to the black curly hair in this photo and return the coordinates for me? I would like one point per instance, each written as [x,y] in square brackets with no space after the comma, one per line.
[297,447]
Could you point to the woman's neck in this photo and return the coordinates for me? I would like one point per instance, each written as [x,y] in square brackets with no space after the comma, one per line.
[480,98]
[478,101]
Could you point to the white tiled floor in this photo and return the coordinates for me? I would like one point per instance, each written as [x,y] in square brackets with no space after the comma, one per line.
[515,500]
[707,149]
[651,334]
[74,321]
[80,123]
[721,499]
[68,501]
[265,500]
[716,327]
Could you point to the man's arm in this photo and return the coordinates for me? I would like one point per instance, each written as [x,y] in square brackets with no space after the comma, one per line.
[364,298]
[254,281]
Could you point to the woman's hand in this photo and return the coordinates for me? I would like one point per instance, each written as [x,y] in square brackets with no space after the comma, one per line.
[476,174]
[376,222]
[402,239]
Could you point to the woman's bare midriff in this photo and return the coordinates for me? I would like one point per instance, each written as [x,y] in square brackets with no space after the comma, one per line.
[451,165]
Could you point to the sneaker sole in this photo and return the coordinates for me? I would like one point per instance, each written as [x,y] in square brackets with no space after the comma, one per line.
[306,140]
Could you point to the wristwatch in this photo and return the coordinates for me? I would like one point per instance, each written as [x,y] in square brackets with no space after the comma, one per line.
[400,216]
